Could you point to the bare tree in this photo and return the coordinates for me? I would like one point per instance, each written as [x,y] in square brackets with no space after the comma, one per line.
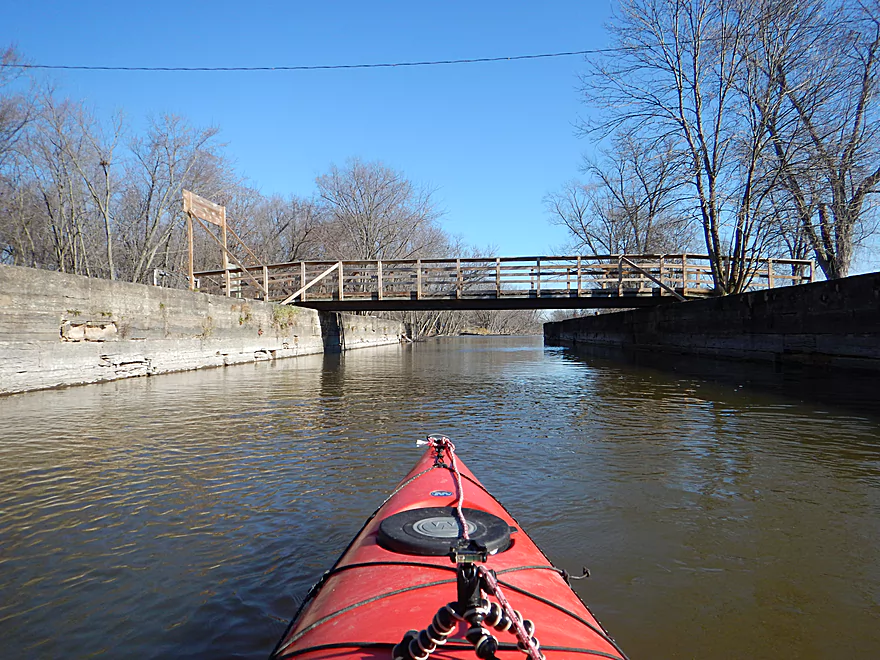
[640,179]
[287,229]
[18,245]
[506,322]
[591,223]
[379,213]
[15,110]
[76,199]
[628,205]
[676,79]
[172,155]
[821,61]
[49,151]
[23,230]
[93,161]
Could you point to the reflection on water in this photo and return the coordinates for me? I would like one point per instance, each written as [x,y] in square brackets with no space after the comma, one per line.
[185,515]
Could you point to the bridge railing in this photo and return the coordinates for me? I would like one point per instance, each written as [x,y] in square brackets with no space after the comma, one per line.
[683,275]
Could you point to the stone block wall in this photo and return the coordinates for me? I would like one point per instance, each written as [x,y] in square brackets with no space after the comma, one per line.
[58,329]
[834,324]
[363,331]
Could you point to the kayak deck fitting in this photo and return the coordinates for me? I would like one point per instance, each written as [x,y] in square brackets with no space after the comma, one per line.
[441,569]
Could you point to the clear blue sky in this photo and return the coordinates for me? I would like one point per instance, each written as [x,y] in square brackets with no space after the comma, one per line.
[492,138]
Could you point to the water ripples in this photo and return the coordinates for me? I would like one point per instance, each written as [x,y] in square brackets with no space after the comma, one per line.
[187,515]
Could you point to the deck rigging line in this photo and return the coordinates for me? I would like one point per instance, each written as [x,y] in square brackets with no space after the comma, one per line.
[452,643]
[527,641]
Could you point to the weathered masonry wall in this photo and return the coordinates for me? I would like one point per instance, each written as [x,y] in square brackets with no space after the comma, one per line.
[835,324]
[58,329]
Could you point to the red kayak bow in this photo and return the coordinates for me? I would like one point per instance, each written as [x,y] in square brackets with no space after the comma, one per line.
[443,570]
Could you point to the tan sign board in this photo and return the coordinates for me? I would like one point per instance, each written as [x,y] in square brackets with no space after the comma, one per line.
[203,208]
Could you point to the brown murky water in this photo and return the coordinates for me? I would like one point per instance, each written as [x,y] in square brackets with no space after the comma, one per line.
[185,515]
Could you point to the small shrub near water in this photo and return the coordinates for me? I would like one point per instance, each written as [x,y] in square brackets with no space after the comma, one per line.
[283,316]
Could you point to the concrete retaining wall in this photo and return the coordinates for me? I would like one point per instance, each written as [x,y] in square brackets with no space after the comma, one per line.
[58,329]
[362,331]
[833,324]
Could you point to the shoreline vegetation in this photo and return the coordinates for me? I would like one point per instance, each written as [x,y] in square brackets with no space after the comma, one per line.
[482,332]
[89,195]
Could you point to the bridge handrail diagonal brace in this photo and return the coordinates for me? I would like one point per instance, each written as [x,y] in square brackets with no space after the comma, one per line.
[308,286]
[661,284]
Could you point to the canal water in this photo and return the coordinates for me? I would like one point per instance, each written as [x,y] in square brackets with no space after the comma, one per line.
[186,516]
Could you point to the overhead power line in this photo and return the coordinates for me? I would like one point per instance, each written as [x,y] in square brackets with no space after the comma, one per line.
[317,67]
[377,65]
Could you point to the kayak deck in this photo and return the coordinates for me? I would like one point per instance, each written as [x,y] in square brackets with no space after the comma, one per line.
[364,605]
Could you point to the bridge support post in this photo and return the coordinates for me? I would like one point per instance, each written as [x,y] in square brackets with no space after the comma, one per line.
[662,271]
[379,276]
[302,278]
[266,283]
[226,276]
[189,232]
[579,275]
[418,279]
[538,276]
[684,274]
[620,276]
[769,273]
[341,282]
[497,277]
[458,281]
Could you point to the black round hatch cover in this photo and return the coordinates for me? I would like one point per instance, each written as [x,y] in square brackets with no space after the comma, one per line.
[433,530]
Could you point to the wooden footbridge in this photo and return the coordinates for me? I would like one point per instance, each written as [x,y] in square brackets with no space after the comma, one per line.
[546,282]
[582,281]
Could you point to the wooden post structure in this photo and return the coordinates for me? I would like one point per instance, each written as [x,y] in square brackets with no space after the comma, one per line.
[203,210]
[620,276]
[538,277]
[458,282]
[662,264]
[341,282]
[684,274]
[194,205]
[579,275]
[418,279]
[227,279]
[302,276]
[379,277]
[497,277]
[769,273]
[189,234]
